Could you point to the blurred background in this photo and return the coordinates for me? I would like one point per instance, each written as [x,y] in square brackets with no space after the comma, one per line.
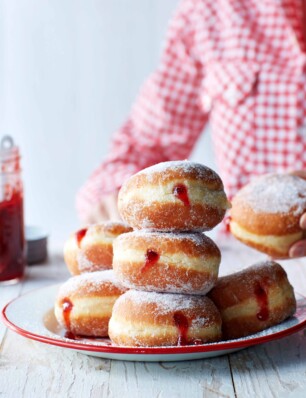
[69,72]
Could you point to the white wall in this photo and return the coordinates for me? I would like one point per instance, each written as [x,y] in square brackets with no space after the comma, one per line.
[69,71]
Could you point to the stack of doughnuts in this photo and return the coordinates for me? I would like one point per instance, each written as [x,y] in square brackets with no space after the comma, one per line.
[164,288]
[167,261]
[84,302]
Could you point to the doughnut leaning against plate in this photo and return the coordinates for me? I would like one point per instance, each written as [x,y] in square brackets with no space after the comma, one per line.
[265,213]
[253,299]
[91,249]
[84,303]
[147,319]
[166,262]
[173,196]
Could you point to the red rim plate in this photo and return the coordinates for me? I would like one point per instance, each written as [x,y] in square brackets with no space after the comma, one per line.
[220,346]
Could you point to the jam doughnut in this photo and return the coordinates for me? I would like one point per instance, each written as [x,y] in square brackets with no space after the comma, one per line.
[176,195]
[166,262]
[159,319]
[84,303]
[265,213]
[253,299]
[91,249]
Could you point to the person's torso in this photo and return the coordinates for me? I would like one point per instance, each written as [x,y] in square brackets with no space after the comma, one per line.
[254,59]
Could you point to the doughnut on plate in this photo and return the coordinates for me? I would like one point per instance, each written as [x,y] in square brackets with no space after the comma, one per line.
[38,307]
[84,303]
[253,299]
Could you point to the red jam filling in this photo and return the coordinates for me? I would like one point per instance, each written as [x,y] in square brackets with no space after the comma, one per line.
[67,308]
[80,235]
[151,258]
[227,223]
[180,191]
[181,322]
[262,300]
[12,253]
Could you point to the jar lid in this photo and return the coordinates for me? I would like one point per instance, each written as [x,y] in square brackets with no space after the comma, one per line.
[37,240]
[8,149]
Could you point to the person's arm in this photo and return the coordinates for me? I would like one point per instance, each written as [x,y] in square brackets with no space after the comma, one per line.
[164,124]
[298,249]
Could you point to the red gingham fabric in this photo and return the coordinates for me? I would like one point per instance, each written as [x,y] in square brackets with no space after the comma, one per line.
[242,65]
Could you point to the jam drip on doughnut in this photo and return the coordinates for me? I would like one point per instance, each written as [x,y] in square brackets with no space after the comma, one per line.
[80,235]
[180,191]
[181,322]
[262,300]
[151,259]
[227,223]
[67,308]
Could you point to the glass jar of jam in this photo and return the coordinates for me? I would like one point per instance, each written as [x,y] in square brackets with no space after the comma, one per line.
[12,243]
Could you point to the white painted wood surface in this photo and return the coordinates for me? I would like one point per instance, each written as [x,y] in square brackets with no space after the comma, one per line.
[32,369]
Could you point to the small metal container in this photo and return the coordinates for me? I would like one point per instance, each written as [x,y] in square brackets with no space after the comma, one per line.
[36,244]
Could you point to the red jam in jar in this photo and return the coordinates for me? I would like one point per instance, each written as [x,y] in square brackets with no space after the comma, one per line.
[12,244]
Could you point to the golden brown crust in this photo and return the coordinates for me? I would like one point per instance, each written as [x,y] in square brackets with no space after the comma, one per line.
[263,223]
[239,286]
[248,325]
[149,313]
[109,229]
[90,326]
[186,263]
[87,289]
[192,244]
[174,280]
[167,213]
[137,321]
[171,216]
[240,297]
[94,252]
[99,256]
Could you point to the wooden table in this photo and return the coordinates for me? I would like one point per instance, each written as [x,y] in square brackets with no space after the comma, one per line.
[33,369]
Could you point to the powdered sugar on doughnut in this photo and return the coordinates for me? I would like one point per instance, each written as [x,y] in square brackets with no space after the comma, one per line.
[183,167]
[85,265]
[197,238]
[270,271]
[89,282]
[166,302]
[275,193]
[176,286]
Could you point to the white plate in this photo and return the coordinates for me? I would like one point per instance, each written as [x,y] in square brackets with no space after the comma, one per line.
[31,316]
